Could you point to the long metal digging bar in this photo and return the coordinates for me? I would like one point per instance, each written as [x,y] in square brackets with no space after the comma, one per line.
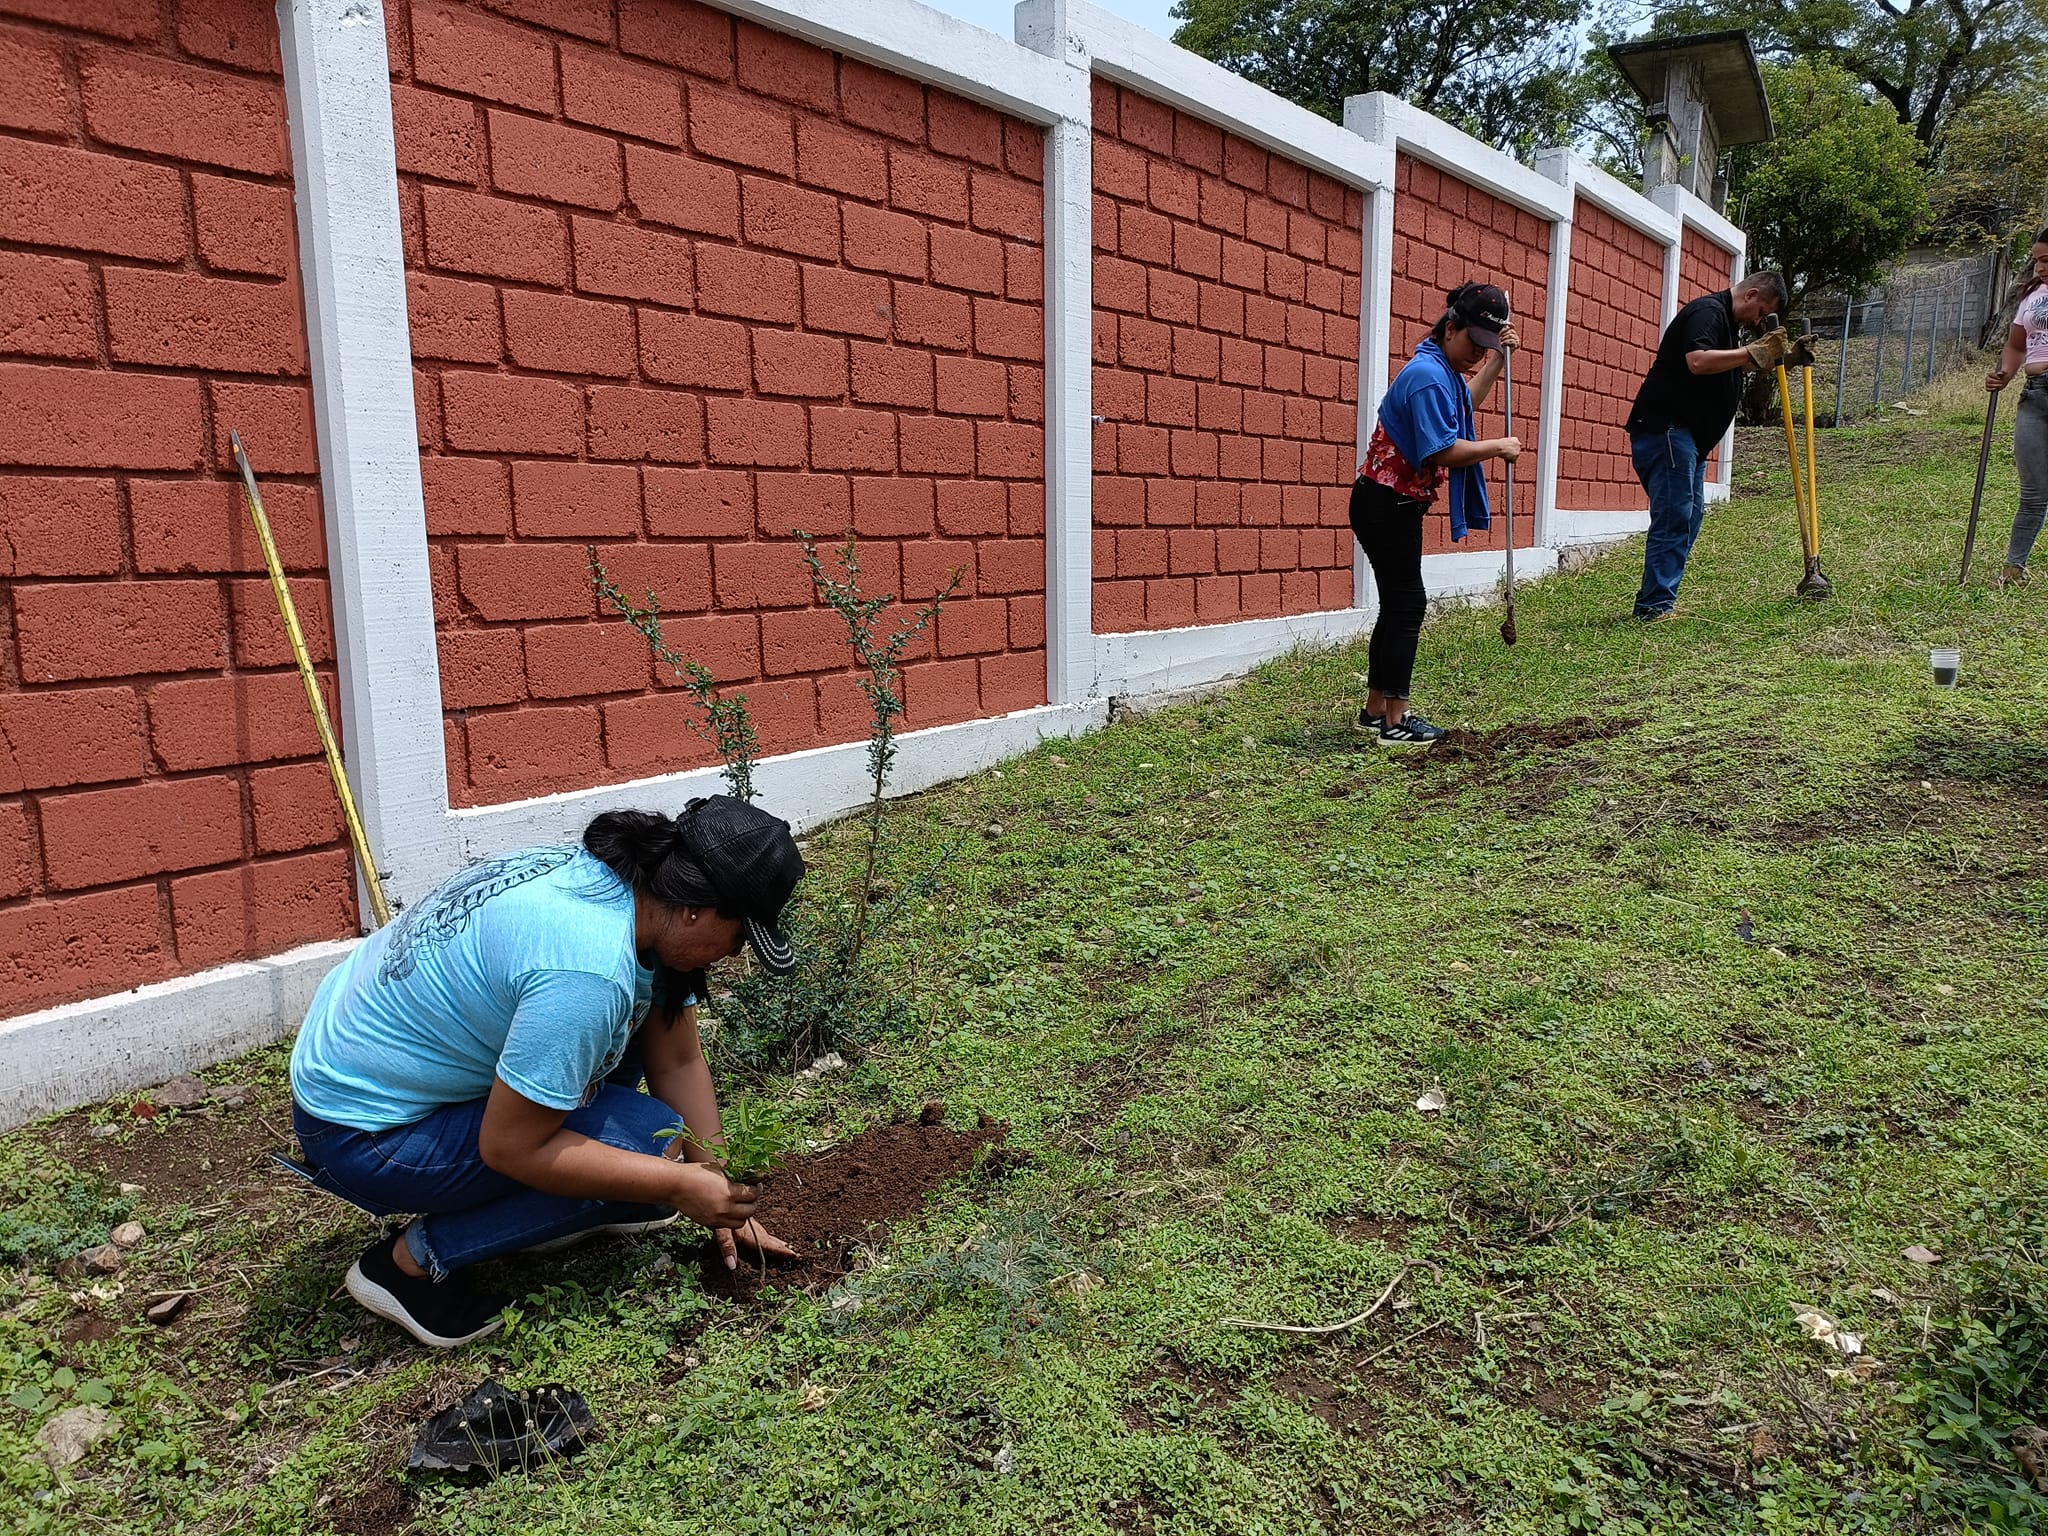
[358,839]
[1977,496]
[1792,456]
[1507,401]
[1812,584]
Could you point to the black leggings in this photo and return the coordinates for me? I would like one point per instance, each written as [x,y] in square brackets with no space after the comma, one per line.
[1389,529]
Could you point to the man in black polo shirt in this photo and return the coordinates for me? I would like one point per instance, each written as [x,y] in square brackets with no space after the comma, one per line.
[1684,407]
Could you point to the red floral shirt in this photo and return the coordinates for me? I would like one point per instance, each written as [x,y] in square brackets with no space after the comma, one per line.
[1385,466]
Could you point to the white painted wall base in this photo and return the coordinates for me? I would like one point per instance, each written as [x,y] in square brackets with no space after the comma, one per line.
[1166,660]
[1598,527]
[93,1050]
[1482,571]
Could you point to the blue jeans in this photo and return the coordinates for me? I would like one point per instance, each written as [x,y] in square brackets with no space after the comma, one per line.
[468,1211]
[1674,472]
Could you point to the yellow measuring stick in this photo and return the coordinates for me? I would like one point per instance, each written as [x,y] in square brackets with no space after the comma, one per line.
[356,836]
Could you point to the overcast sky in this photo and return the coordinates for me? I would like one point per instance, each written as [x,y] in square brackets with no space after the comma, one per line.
[996,14]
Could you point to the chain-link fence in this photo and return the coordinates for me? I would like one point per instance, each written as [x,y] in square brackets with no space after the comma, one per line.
[1923,322]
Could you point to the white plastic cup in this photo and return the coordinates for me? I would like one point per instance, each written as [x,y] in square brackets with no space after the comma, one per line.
[1946,661]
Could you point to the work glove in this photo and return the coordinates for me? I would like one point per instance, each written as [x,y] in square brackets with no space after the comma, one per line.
[1801,354]
[1770,349]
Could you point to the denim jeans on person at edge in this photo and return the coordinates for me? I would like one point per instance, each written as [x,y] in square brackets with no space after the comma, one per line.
[1674,472]
[472,1212]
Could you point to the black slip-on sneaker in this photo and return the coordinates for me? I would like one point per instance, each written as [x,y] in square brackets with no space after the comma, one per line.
[440,1315]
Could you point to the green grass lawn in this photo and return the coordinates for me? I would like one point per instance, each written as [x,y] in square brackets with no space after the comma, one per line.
[1731,1001]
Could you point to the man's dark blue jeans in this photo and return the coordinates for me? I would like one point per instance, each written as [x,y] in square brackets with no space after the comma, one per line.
[1674,472]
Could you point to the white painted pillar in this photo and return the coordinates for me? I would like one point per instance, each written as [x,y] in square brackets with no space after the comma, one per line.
[1070,651]
[352,266]
[1557,165]
[1673,259]
[1725,479]
[1550,425]
[1375,336]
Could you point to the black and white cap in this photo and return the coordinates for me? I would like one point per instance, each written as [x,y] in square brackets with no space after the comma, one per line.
[750,860]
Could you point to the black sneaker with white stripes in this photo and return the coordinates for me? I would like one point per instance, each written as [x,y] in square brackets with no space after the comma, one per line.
[1411,731]
[1369,722]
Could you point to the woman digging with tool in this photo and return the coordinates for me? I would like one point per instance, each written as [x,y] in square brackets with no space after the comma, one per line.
[479,1060]
[1425,440]
[2026,346]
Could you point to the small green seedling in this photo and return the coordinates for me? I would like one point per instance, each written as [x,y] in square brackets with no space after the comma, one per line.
[759,1136]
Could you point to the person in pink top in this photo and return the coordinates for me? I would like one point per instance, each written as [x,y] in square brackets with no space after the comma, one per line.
[2026,346]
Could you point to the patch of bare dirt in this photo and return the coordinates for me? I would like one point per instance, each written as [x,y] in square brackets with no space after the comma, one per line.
[1372,1227]
[1331,1395]
[383,1508]
[88,1327]
[189,1156]
[1489,749]
[825,1203]
[1164,1401]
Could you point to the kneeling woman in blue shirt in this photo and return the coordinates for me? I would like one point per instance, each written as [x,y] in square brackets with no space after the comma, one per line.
[1423,440]
[479,1060]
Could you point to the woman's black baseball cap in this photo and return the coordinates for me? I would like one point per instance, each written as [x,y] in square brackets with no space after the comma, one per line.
[1483,310]
[750,861]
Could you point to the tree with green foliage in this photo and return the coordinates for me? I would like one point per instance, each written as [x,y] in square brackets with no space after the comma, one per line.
[1602,116]
[1840,193]
[1926,59]
[1991,181]
[1496,68]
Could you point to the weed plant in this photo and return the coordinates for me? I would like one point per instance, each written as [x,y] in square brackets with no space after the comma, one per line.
[1979,1388]
[757,1136]
[59,1214]
[777,1023]
[1008,1269]
[880,656]
[727,724]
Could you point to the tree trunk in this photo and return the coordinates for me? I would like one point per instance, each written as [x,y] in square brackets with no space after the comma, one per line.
[1759,400]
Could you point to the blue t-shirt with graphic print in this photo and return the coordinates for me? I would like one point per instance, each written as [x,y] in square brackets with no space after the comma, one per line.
[522,967]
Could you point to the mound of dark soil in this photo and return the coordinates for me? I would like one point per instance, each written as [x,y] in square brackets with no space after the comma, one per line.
[825,1203]
[1485,749]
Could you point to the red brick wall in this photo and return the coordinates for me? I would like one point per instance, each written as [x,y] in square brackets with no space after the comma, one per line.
[1446,232]
[1226,364]
[1703,267]
[1617,298]
[162,804]
[679,284]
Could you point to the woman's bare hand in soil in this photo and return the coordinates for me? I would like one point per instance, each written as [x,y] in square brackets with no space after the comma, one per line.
[756,1237]
[710,1199]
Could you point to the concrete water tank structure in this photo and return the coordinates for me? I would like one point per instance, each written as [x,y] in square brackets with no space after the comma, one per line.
[1701,94]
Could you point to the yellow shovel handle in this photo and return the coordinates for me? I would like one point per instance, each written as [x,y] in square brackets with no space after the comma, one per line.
[1792,453]
[1812,479]
[314,699]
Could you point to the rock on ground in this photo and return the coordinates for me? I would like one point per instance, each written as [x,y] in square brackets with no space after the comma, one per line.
[67,1437]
